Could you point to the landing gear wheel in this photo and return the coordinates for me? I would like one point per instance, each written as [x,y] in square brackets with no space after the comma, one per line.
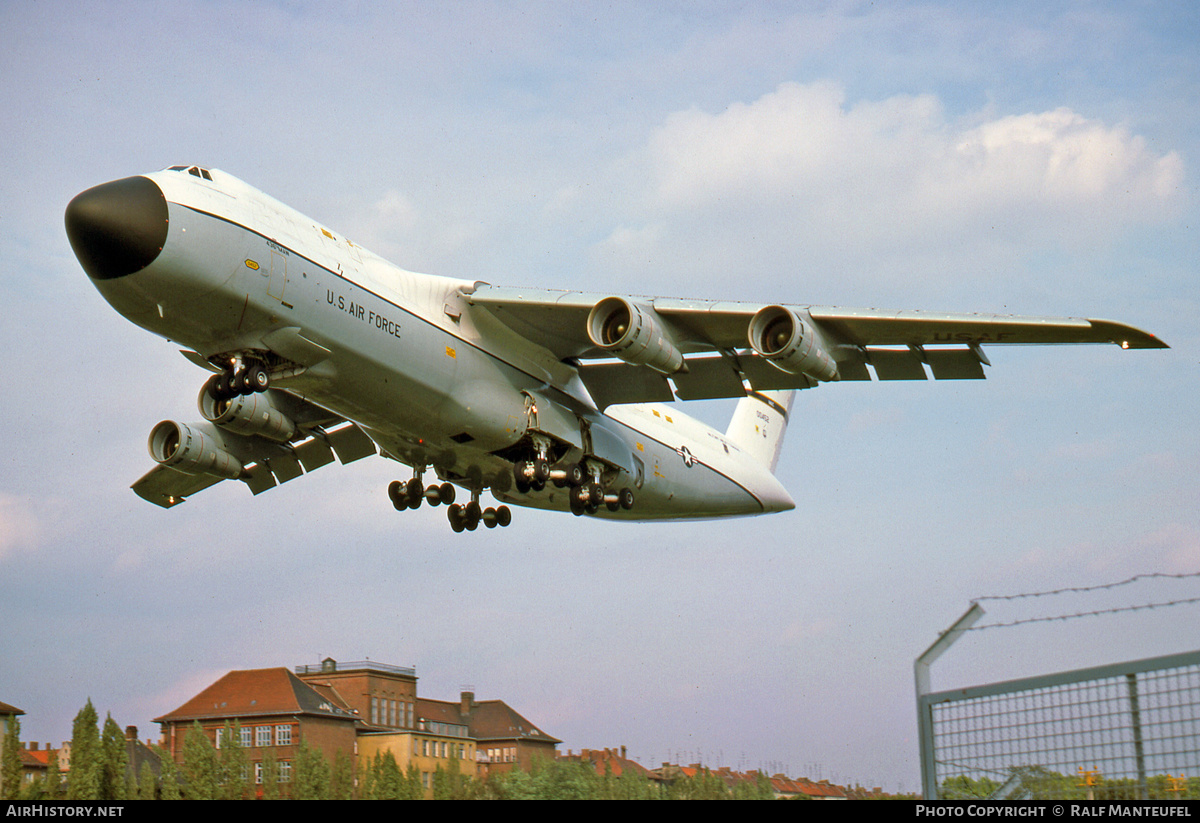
[577,505]
[446,493]
[398,493]
[625,498]
[489,517]
[211,387]
[258,379]
[222,388]
[503,516]
[472,513]
[454,515]
[576,475]
[414,493]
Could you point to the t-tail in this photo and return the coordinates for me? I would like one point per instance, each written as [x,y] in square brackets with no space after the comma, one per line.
[759,423]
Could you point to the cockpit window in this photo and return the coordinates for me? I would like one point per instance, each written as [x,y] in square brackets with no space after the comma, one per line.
[193,170]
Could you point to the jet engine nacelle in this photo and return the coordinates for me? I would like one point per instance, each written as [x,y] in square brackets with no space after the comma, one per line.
[633,333]
[192,451]
[248,415]
[782,337]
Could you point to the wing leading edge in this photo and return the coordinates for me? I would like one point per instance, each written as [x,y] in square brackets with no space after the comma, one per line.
[720,358]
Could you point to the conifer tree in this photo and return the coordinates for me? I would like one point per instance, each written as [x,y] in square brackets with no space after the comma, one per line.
[147,786]
[10,761]
[83,783]
[113,761]
[53,777]
[169,775]
[234,772]
[200,765]
[270,776]
[312,774]
[341,786]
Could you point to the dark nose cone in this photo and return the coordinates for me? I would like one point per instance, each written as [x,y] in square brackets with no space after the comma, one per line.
[118,228]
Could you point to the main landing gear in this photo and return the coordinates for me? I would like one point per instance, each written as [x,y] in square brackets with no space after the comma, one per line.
[410,495]
[587,492]
[250,378]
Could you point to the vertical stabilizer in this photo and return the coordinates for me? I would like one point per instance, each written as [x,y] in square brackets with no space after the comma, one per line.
[759,422]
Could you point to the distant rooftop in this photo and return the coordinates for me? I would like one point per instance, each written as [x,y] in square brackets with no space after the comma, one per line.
[329,665]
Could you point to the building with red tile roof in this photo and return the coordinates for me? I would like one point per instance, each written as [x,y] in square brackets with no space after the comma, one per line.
[611,762]
[274,709]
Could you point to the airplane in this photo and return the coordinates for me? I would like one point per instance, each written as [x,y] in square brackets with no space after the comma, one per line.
[548,399]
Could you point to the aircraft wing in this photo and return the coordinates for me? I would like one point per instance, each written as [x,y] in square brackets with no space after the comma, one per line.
[266,464]
[713,339]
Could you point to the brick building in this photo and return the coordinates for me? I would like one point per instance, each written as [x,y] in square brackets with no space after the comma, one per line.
[275,711]
[360,709]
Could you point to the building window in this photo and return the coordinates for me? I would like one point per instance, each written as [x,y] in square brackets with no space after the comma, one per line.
[220,737]
[375,711]
[247,737]
[262,736]
[285,771]
[283,735]
[258,774]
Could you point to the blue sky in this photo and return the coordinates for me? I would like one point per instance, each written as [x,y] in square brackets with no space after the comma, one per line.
[1031,158]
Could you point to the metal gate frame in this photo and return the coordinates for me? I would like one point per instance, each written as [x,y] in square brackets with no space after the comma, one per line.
[1133,718]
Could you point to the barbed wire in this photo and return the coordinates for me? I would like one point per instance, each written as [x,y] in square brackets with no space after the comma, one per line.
[1076,589]
[1087,614]
[1084,589]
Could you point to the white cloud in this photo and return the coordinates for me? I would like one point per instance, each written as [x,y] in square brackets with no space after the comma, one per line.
[19,527]
[802,180]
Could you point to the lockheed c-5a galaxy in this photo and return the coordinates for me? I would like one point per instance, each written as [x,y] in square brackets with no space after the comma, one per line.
[550,399]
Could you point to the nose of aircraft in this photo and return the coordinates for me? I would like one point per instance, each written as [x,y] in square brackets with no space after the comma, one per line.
[118,228]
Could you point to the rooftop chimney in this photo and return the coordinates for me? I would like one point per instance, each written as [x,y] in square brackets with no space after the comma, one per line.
[468,700]
[131,733]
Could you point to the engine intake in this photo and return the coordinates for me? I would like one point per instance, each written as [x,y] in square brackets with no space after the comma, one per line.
[249,415]
[783,338]
[633,333]
[190,450]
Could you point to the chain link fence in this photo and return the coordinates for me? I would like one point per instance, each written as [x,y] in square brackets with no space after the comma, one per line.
[1129,731]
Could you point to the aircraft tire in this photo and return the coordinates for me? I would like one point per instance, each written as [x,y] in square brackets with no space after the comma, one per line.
[446,493]
[625,498]
[258,379]
[398,494]
[414,493]
[503,516]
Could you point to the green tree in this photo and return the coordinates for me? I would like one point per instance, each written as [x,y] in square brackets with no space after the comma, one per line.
[83,783]
[147,785]
[10,760]
[113,761]
[234,770]
[200,768]
[53,777]
[270,775]
[312,774]
[168,775]
[341,785]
